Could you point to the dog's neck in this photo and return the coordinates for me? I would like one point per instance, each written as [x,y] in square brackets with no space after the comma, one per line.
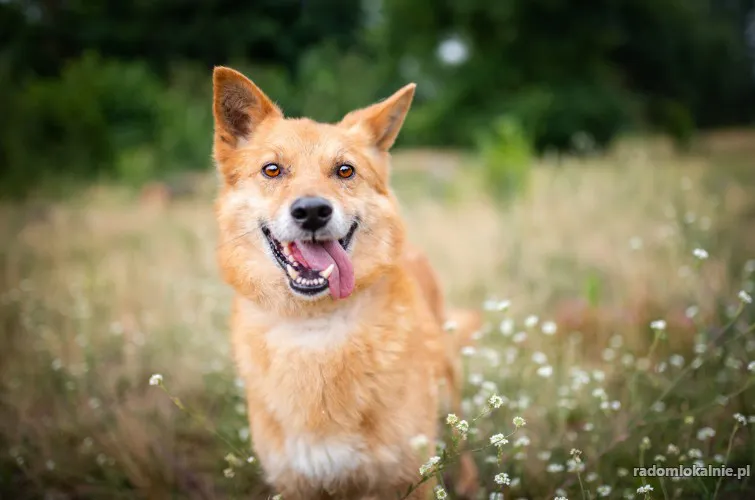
[321,328]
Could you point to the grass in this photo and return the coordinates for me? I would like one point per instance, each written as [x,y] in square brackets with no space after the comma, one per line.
[101,291]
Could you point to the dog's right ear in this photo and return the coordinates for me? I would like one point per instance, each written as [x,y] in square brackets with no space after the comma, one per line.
[239,106]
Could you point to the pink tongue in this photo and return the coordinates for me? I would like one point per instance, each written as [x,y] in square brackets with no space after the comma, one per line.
[320,256]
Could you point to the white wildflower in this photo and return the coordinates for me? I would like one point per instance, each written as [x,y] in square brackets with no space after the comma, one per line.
[229,473]
[700,253]
[440,493]
[644,489]
[705,433]
[519,337]
[545,371]
[519,422]
[549,328]
[531,321]
[659,325]
[522,441]
[418,442]
[498,440]
[539,358]
[554,468]
[507,327]
[740,418]
[502,478]
[428,466]
[745,297]
[156,379]
[495,401]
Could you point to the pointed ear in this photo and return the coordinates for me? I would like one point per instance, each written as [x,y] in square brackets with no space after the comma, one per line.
[384,119]
[239,106]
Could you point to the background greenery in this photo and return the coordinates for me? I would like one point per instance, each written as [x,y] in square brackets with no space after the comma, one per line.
[121,89]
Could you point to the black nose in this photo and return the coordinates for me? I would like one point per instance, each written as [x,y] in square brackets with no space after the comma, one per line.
[311,212]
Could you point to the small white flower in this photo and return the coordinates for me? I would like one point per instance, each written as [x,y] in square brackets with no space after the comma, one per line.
[531,321]
[498,440]
[440,493]
[549,328]
[519,337]
[428,466]
[591,477]
[521,442]
[156,379]
[496,495]
[705,433]
[691,311]
[560,498]
[659,458]
[452,419]
[645,443]
[507,327]
[462,426]
[740,418]
[745,297]
[229,473]
[622,472]
[644,489]
[519,422]
[554,468]
[694,453]
[250,460]
[676,360]
[751,366]
[658,324]
[502,478]
[672,450]
[418,442]
[539,358]
[700,253]
[495,401]
[545,371]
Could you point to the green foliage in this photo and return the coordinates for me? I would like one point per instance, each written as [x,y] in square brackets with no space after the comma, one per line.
[507,158]
[91,89]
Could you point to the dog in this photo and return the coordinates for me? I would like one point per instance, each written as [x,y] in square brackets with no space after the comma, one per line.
[337,323]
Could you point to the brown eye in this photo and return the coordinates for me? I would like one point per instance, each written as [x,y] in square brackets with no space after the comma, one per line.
[271,170]
[345,171]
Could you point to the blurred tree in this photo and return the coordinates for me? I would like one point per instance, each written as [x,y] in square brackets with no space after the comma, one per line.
[42,34]
[586,57]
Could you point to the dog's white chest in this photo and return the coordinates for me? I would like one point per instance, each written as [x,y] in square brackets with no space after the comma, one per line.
[324,460]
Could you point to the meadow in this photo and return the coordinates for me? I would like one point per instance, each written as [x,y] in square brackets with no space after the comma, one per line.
[620,330]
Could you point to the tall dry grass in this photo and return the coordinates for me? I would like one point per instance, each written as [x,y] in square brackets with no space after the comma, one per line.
[101,291]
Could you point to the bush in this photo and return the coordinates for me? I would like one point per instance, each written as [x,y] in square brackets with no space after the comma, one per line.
[97,119]
[506,155]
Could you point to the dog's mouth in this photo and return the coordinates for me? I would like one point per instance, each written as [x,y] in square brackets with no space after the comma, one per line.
[314,266]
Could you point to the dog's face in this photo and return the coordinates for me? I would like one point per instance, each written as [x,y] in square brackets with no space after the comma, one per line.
[305,211]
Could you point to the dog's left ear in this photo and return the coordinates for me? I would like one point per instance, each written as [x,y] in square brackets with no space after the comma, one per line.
[384,119]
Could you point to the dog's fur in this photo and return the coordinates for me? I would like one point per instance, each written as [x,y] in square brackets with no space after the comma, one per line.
[336,387]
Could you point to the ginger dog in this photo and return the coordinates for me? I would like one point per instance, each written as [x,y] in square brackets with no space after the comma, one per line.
[337,324]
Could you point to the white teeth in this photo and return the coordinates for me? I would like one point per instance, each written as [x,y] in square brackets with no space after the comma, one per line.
[293,273]
[321,281]
[287,250]
[327,272]
[299,280]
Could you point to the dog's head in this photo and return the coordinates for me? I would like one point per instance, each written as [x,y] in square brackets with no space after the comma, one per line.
[305,210]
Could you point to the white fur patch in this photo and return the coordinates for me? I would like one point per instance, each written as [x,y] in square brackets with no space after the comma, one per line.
[325,460]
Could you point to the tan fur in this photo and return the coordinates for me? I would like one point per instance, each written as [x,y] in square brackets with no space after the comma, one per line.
[336,389]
